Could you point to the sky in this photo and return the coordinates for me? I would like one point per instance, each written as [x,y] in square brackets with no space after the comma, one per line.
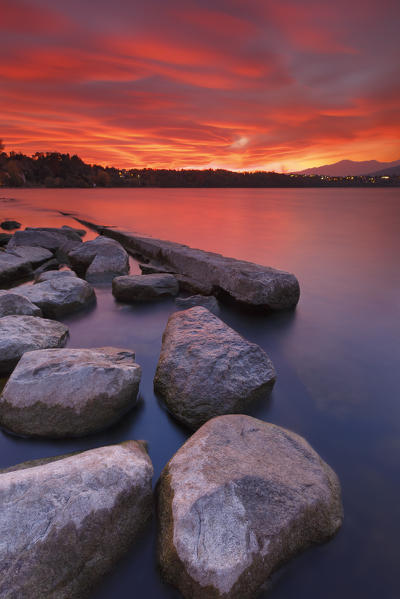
[240,84]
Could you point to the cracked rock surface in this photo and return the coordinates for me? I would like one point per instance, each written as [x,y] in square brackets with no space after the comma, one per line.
[63,523]
[240,498]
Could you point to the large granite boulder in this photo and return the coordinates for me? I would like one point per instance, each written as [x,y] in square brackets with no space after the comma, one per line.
[69,392]
[138,288]
[240,498]
[207,369]
[19,334]
[12,303]
[207,301]
[53,274]
[51,238]
[100,260]
[247,283]
[13,268]
[59,296]
[65,522]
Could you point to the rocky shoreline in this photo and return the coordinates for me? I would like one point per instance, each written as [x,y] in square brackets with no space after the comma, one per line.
[236,501]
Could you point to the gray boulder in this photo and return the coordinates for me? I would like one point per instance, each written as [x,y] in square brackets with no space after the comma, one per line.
[51,238]
[34,255]
[59,296]
[9,225]
[80,232]
[100,260]
[53,274]
[64,523]
[239,499]
[13,268]
[207,369]
[207,301]
[19,334]
[12,303]
[137,288]
[69,392]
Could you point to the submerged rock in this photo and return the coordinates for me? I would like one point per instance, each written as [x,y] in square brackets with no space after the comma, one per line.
[246,282]
[19,334]
[138,288]
[9,225]
[207,301]
[59,296]
[240,498]
[64,523]
[100,260]
[53,274]
[12,303]
[207,369]
[69,392]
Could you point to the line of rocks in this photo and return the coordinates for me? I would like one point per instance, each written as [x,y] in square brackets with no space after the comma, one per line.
[237,500]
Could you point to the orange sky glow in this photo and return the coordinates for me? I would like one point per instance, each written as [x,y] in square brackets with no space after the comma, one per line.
[238,84]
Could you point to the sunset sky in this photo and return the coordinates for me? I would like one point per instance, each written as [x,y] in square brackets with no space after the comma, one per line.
[239,84]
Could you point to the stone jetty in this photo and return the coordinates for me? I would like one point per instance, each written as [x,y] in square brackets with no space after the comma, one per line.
[248,283]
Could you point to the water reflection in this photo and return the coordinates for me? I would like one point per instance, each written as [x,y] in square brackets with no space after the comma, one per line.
[336,356]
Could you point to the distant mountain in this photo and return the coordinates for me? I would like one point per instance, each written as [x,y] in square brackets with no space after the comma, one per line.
[346,168]
[392,171]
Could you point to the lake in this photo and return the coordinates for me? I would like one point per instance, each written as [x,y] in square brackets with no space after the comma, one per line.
[337,355]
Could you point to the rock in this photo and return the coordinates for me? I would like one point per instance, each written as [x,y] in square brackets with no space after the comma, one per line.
[64,523]
[4,239]
[13,268]
[137,288]
[189,285]
[59,296]
[207,369]
[207,301]
[247,283]
[19,334]
[9,225]
[50,238]
[153,269]
[240,498]
[12,303]
[100,260]
[69,392]
[80,232]
[33,255]
[53,274]
[52,264]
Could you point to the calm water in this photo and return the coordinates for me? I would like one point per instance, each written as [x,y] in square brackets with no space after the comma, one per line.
[337,356]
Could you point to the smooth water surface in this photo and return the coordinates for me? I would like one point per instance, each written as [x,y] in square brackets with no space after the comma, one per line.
[337,356]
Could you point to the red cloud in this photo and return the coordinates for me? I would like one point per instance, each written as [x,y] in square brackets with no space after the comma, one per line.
[265,84]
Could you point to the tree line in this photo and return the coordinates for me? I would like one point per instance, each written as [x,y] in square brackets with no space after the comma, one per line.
[54,169]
